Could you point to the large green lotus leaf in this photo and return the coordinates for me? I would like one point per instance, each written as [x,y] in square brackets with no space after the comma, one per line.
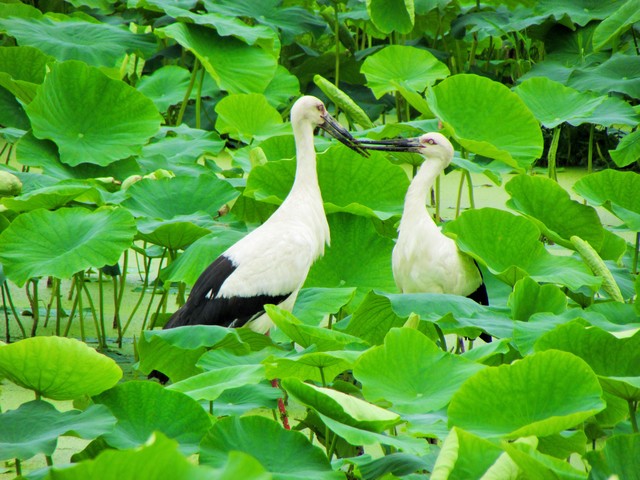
[397,464]
[159,459]
[65,241]
[552,103]
[608,356]
[614,111]
[145,407]
[360,436]
[358,256]
[165,86]
[615,459]
[289,21]
[621,73]
[540,395]
[373,318]
[183,144]
[502,18]
[238,401]
[563,444]
[610,29]
[554,212]
[414,68]
[190,265]
[464,455]
[57,367]
[285,453]
[510,247]
[94,43]
[392,15]
[324,339]
[248,116]
[176,351]
[615,190]
[628,150]
[580,12]
[341,407]
[314,366]
[537,465]
[210,385]
[22,69]
[34,152]
[313,304]
[472,106]
[226,58]
[165,198]
[348,182]
[91,117]
[35,427]
[49,198]
[177,233]
[411,372]
[283,87]
[529,297]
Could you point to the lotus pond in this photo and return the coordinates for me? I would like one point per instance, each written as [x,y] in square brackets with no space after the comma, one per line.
[140,139]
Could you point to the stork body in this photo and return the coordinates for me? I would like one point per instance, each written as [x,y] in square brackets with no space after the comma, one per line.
[270,264]
[424,260]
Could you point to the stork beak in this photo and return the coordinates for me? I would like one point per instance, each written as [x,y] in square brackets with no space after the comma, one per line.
[392,145]
[333,128]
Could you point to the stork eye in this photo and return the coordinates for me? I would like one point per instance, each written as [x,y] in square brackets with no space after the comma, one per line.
[431,141]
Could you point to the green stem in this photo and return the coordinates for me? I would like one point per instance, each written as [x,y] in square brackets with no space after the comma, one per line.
[47,314]
[590,151]
[5,288]
[145,285]
[336,35]
[18,467]
[633,406]
[33,300]
[443,340]
[58,295]
[459,197]
[102,341]
[553,150]
[324,381]
[153,292]
[199,98]
[49,460]
[472,202]
[332,446]
[79,300]
[634,266]
[101,306]
[185,100]
[74,306]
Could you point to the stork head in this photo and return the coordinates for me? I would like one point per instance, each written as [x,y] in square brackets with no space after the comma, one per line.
[311,110]
[432,145]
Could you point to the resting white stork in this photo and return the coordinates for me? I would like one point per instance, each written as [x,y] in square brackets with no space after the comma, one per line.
[270,264]
[424,259]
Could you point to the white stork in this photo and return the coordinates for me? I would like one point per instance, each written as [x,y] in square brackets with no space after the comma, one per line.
[270,264]
[425,260]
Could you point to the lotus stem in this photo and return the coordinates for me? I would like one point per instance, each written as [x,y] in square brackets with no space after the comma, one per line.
[634,267]
[187,94]
[123,281]
[633,406]
[101,306]
[145,285]
[332,446]
[49,460]
[284,417]
[553,150]
[33,300]
[459,196]
[74,306]
[443,340]
[472,202]
[79,303]
[58,295]
[6,318]
[102,341]
[199,99]
[5,287]
[18,467]
[153,292]
[590,151]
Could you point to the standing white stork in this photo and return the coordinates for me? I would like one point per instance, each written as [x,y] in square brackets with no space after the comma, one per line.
[270,264]
[425,260]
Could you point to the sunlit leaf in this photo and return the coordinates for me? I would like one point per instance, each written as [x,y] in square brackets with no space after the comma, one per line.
[313,304]
[510,247]
[248,116]
[91,117]
[412,67]
[628,150]
[94,43]
[57,367]
[284,453]
[341,407]
[35,426]
[411,372]
[210,385]
[389,16]
[529,297]
[142,408]
[22,69]
[226,58]
[471,108]
[541,394]
[614,25]
[616,191]
[158,457]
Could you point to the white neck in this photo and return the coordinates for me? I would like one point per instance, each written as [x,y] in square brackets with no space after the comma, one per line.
[415,209]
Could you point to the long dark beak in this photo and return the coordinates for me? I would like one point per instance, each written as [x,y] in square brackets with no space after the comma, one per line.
[333,128]
[392,145]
